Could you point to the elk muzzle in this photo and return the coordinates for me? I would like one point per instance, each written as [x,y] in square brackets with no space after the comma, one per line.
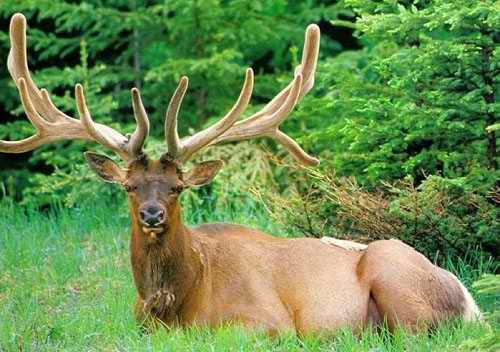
[152,215]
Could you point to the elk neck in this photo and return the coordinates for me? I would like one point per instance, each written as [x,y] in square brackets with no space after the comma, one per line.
[170,265]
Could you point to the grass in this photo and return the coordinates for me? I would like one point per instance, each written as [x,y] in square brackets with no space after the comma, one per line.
[65,284]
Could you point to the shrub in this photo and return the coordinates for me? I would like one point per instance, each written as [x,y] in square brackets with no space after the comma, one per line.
[439,216]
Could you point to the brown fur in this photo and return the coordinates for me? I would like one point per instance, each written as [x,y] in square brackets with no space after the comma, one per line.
[219,273]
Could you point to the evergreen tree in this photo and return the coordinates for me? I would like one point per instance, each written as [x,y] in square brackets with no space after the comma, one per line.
[418,98]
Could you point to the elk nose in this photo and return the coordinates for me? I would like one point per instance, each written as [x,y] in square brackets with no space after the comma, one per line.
[152,215]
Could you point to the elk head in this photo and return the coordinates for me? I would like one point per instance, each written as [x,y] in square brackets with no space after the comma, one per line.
[154,185]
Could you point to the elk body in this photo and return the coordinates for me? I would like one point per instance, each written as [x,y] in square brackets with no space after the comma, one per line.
[218,273]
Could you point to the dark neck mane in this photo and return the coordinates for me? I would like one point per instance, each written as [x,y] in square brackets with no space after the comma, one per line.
[166,271]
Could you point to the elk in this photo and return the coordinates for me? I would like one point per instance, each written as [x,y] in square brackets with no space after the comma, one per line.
[221,273]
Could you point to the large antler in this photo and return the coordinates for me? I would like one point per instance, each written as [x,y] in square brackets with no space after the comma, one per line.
[264,123]
[53,125]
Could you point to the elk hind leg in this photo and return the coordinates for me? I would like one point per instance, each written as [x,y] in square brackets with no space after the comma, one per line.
[409,291]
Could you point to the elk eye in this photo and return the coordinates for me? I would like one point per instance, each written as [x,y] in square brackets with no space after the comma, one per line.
[176,190]
[129,188]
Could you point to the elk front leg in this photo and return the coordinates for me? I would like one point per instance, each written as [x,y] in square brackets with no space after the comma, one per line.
[146,314]
[143,317]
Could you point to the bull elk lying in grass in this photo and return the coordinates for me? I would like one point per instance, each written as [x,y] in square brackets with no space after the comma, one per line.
[219,273]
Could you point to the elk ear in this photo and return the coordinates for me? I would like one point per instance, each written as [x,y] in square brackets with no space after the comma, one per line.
[202,173]
[105,168]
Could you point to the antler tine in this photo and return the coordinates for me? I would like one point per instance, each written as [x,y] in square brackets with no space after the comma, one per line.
[307,69]
[283,110]
[171,135]
[183,150]
[17,64]
[141,132]
[86,119]
[53,125]
[266,122]
[309,58]
[127,149]
[110,138]
[36,120]
[203,138]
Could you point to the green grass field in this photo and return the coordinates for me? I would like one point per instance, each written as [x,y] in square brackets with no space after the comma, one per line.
[65,284]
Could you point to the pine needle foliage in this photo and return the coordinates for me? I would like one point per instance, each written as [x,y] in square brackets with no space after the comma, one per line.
[418,98]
